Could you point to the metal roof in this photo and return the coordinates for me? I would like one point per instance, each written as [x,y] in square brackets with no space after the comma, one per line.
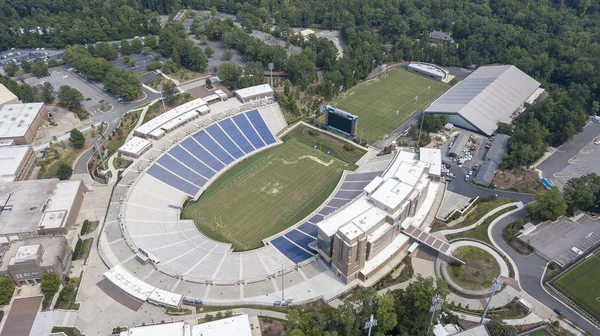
[459,143]
[485,175]
[498,149]
[491,94]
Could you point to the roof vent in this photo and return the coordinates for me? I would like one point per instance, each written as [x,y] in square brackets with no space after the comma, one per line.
[31,208]
[60,215]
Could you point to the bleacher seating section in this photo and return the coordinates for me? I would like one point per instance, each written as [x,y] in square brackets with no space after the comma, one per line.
[189,165]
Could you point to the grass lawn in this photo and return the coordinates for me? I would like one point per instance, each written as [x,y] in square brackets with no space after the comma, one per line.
[481,208]
[581,284]
[384,104]
[273,189]
[480,232]
[479,270]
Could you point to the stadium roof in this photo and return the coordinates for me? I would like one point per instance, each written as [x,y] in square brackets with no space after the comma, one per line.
[164,118]
[6,96]
[135,145]
[15,119]
[254,91]
[10,159]
[489,95]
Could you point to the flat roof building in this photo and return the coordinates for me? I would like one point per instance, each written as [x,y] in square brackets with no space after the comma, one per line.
[359,239]
[491,94]
[38,207]
[26,261]
[6,96]
[19,122]
[155,128]
[238,325]
[135,147]
[254,93]
[430,70]
[16,163]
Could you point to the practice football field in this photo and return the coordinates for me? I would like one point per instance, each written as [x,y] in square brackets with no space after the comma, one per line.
[581,284]
[384,104]
[272,190]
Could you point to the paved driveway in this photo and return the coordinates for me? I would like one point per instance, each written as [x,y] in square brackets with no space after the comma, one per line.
[21,316]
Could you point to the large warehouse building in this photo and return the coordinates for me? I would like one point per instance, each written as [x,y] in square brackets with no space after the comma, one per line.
[490,95]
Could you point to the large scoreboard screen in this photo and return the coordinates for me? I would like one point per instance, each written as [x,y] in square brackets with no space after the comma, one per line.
[341,121]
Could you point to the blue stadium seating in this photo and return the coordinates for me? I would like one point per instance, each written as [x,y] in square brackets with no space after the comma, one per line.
[244,125]
[336,203]
[293,252]
[300,239]
[260,126]
[348,194]
[362,176]
[172,180]
[354,185]
[217,133]
[205,140]
[168,162]
[309,228]
[202,154]
[316,219]
[189,160]
[235,134]
[326,210]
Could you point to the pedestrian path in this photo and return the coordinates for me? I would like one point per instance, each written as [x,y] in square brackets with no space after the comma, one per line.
[467,228]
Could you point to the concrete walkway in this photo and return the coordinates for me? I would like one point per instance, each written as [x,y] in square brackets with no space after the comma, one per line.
[503,266]
[467,228]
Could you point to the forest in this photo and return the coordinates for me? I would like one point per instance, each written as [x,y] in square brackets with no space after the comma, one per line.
[554,41]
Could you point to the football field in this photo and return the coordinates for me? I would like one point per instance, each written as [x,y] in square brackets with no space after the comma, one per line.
[581,284]
[272,190]
[384,104]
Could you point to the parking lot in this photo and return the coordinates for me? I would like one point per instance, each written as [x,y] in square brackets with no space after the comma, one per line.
[30,55]
[575,238]
[470,156]
[217,58]
[141,61]
[60,76]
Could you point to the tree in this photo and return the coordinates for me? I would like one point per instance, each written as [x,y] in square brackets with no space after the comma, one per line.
[146,51]
[170,93]
[126,48]
[412,304]
[77,138]
[254,74]
[196,60]
[39,68]
[170,67]
[301,69]
[50,284]
[150,41]
[123,83]
[583,193]
[153,66]
[136,45]
[227,54]
[203,39]
[229,74]
[27,93]
[47,92]
[106,51]
[548,205]
[64,171]
[95,68]
[209,52]
[25,66]
[131,63]
[11,69]
[70,97]
[208,83]
[52,63]
[497,327]
[6,290]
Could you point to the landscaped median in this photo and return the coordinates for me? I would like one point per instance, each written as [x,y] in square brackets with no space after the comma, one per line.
[480,232]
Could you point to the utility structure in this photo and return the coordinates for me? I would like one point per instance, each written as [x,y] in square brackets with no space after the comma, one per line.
[370,324]
[436,304]
[496,285]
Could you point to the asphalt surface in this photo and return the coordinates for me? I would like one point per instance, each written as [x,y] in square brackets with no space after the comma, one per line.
[559,160]
[460,186]
[531,270]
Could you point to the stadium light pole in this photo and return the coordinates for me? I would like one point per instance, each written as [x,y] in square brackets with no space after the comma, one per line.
[496,285]
[282,284]
[436,304]
[420,130]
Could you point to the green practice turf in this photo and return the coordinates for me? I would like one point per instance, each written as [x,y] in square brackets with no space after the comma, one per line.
[581,284]
[273,189]
[384,104]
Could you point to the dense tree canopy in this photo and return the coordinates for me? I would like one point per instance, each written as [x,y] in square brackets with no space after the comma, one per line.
[70,97]
[583,193]
[548,205]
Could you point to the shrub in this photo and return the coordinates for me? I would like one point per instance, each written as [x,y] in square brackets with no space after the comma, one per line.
[6,290]
[84,227]
[50,284]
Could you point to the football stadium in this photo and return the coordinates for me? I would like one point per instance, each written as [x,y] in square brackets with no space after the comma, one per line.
[226,207]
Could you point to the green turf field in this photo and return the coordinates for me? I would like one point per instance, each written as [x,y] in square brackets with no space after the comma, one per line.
[384,104]
[581,284]
[273,189]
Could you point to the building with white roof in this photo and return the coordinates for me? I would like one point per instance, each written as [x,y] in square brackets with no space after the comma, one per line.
[254,93]
[19,122]
[491,94]
[238,325]
[135,147]
[360,238]
[430,70]
[6,96]
[38,207]
[164,123]
[16,163]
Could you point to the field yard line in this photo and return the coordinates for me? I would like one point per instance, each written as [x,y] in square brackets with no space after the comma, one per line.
[317,160]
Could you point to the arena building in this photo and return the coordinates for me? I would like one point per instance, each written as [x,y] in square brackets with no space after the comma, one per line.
[360,238]
[430,70]
[38,207]
[17,163]
[491,94]
[19,122]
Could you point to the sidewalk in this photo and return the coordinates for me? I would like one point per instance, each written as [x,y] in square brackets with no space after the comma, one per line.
[467,228]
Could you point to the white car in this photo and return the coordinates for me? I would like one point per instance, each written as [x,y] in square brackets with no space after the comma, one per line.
[597,142]
[470,172]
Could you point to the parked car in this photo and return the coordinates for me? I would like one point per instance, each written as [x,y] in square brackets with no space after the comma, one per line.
[88,99]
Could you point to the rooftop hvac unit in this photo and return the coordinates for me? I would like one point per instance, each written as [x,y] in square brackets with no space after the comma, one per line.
[60,215]
[13,119]
[51,216]
[26,115]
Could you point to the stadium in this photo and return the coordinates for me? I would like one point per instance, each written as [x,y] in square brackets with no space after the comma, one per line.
[226,209]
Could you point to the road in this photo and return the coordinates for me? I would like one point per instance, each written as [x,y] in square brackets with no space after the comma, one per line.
[460,186]
[531,270]
[112,118]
